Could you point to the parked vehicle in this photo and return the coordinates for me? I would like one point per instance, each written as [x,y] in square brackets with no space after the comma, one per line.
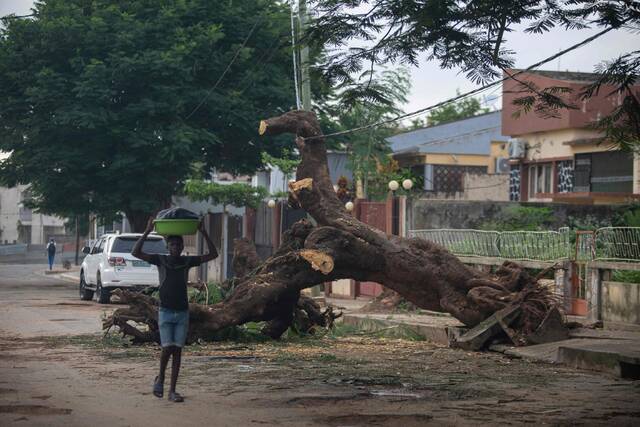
[109,265]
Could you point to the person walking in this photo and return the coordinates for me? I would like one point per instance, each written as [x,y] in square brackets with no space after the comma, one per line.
[173,313]
[51,252]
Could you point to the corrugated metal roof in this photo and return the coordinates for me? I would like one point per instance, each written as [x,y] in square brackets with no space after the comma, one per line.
[467,136]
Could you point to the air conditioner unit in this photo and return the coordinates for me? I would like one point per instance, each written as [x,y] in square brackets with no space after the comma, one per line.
[502,165]
[517,148]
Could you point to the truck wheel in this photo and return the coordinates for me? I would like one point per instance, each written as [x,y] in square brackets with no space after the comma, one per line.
[103,294]
[85,294]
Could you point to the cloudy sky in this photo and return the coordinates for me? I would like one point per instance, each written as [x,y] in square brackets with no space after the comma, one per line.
[431,84]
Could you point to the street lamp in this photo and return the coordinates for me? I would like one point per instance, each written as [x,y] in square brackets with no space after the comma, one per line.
[271,203]
[348,206]
[393,185]
[407,184]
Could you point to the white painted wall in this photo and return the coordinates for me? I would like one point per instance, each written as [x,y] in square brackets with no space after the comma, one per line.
[10,204]
[9,214]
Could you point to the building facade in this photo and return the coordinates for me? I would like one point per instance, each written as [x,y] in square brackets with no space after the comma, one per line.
[457,159]
[564,158]
[19,224]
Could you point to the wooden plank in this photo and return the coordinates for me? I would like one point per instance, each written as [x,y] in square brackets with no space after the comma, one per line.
[614,265]
[499,261]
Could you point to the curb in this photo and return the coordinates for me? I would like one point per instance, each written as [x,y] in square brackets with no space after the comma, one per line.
[438,334]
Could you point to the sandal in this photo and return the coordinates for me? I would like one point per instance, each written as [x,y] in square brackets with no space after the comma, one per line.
[175,397]
[158,388]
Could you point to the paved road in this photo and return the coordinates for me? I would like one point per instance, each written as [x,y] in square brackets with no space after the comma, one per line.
[32,304]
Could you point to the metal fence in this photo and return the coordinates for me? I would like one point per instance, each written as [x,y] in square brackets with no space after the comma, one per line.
[515,245]
[609,243]
[617,243]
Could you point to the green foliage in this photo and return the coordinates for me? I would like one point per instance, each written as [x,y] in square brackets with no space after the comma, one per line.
[470,36]
[286,164]
[526,218]
[587,222]
[214,295]
[105,105]
[236,194]
[388,170]
[369,148]
[628,216]
[462,109]
[626,276]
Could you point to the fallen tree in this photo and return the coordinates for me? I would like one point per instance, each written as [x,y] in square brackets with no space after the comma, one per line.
[339,246]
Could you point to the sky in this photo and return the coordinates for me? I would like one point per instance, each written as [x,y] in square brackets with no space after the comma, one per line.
[430,84]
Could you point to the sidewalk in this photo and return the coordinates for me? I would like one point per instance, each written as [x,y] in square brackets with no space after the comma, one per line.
[615,352]
[72,275]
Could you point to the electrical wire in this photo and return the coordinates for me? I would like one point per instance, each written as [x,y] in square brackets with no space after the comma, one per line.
[244,43]
[466,94]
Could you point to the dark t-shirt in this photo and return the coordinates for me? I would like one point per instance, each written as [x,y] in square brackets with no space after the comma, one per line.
[174,274]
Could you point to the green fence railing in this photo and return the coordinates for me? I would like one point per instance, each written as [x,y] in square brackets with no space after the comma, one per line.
[608,243]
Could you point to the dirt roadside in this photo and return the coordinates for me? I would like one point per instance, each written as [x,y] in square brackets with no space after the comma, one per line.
[79,379]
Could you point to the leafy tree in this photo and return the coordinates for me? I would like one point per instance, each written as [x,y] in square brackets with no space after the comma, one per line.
[467,107]
[370,148]
[388,169]
[470,35]
[105,105]
[236,194]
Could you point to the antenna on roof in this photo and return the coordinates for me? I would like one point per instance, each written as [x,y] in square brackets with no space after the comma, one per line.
[559,58]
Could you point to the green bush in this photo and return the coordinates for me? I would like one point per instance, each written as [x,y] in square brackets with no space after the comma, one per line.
[626,276]
[525,218]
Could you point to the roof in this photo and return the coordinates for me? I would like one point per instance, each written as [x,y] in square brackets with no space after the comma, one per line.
[569,76]
[467,136]
[131,235]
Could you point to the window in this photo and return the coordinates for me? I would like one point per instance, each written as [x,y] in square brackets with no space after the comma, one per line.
[150,246]
[540,178]
[97,249]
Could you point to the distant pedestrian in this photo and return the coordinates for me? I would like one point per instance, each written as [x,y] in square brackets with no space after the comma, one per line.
[51,252]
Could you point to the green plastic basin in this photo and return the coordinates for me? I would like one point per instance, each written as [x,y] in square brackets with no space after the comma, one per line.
[176,227]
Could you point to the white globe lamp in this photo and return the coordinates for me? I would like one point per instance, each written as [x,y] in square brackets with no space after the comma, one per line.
[407,184]
[393,185]
[271,203]
[348,206]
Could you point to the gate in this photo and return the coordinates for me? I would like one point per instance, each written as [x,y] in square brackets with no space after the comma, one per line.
[375,215]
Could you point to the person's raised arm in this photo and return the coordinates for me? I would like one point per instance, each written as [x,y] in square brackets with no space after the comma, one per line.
[137,249]
[213,252]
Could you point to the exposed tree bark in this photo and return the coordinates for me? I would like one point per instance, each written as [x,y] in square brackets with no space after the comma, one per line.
[340,246]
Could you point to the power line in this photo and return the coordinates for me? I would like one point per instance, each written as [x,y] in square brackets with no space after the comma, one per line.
[469,93]
[244,43]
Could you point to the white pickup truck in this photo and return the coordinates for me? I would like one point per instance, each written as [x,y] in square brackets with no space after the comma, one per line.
[109,265]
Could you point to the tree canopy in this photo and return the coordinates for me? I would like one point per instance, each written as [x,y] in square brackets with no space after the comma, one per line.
[105,105]
[470,35]
[369,149]
[466,107]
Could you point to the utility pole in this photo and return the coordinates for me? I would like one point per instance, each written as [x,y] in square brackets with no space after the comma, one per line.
[77,238]
[305,82]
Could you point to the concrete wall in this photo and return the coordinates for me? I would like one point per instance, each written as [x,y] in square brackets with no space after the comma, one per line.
[621,302]
[429,214]
[486,187]
[341,288]
[41,226]
[9,214]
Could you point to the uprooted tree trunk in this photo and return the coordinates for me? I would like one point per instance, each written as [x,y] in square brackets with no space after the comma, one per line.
[340,246]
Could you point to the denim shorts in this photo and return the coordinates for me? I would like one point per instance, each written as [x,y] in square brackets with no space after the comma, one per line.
[173,325]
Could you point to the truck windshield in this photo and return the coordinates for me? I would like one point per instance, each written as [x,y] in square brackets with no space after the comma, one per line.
[150,246]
